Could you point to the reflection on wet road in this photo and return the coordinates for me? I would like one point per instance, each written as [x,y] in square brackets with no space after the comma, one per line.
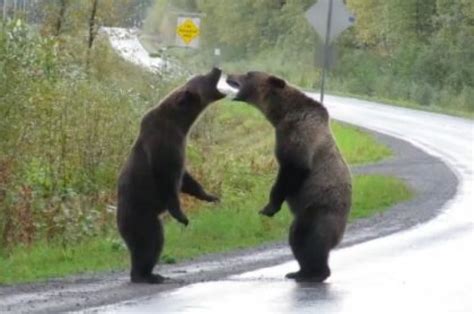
[426,269]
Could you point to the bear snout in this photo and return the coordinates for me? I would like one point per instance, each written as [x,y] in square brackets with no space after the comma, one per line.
[232,81]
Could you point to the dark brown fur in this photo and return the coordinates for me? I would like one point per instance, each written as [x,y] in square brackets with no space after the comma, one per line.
[154,174]
[313,177]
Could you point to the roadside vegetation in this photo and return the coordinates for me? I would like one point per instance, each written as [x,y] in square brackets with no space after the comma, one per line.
[406,52]
[70,109]
[63,133]
[231,152]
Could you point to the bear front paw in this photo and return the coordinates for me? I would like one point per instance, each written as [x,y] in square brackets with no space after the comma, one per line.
[183,220]
[212,198]
[268,210]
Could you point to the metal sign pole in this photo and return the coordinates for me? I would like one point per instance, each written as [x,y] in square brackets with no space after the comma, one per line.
[326,51]
[217,57]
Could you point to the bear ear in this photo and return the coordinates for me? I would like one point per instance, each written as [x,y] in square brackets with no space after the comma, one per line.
[276,82]
[216,71]
[187,97]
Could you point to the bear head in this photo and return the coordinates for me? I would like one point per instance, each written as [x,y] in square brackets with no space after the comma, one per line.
[204,87]
[260,89]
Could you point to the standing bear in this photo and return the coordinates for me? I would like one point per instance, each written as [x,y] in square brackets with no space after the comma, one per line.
[313,177]
[154,174]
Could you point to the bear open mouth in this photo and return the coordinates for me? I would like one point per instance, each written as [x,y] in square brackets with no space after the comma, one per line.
[233,83]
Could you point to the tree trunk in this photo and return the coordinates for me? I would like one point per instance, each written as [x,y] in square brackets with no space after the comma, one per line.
[92,23]
[5,9]
[60,20]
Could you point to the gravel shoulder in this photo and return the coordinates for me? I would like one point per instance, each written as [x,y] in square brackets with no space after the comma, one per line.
[432,181]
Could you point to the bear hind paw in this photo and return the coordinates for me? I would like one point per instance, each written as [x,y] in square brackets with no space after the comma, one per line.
[300,276]
[151,279]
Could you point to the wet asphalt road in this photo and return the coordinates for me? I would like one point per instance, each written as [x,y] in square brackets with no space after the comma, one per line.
[428,268]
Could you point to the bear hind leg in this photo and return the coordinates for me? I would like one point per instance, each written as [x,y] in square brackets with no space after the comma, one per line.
[311,250]
[145,253]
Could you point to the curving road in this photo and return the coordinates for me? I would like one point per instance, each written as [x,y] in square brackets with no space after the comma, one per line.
[428,268]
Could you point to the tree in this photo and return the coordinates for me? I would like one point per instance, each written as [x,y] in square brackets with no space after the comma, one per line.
[5,9]
[62,13]
[368,14]
[92,23]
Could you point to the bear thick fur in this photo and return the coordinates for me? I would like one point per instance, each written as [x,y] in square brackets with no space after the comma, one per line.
[154,174]
[313,177]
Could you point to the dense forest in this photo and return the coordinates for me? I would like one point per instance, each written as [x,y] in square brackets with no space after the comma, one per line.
[419,51]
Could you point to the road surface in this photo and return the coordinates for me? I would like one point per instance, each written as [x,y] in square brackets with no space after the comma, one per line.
[426,269]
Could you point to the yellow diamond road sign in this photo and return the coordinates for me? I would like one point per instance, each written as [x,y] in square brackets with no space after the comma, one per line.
[187,30]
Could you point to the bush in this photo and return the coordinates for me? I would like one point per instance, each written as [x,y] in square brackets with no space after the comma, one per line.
[422,93]
[359,71]
[69,117]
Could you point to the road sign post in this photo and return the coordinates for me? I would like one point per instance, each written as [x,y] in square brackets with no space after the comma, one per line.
[329,18]
[326,52]
[217,57]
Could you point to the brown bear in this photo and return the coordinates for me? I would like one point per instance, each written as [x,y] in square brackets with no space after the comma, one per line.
[154,174]
[313,177]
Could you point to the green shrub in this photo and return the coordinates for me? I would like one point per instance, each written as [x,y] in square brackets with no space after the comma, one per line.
[69,117]
[422,93]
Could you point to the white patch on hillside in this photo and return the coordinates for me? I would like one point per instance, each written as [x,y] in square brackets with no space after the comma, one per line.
[125,42]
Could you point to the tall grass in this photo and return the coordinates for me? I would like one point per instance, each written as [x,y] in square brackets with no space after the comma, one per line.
[69,117]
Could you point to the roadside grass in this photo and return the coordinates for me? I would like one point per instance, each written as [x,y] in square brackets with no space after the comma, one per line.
[374,193]
[357,146]
[231,153]
[49,260]
[247,122]
[231,225]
